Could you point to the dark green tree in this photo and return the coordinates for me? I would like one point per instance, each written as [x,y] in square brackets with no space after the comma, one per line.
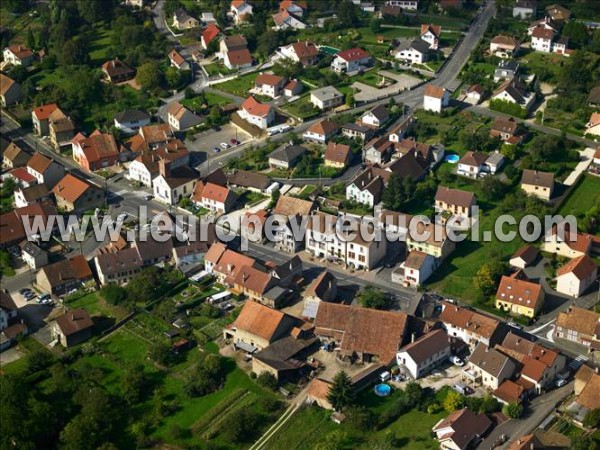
[372,297]
[342,393]
[393,193]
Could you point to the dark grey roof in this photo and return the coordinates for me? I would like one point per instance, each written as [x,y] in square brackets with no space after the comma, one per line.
[508,65]
[355,127]
[131,115]
[279,355]
[420,45]
[289,153]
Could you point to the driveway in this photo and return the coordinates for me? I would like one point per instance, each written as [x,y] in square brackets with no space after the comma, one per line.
[587,156]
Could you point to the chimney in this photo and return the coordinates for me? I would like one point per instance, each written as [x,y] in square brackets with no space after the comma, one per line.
[229,267]
[164,168]
[412,337]
[244,277]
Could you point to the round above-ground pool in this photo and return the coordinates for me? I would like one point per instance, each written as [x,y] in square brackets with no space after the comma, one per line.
[452,159]
[383,390]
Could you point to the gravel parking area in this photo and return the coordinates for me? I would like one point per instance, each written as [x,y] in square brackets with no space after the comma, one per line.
[206,141]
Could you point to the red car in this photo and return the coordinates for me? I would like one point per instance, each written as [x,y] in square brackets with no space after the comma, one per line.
[234,141]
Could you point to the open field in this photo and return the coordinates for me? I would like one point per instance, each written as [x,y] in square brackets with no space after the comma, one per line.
[238,86]
[582,198]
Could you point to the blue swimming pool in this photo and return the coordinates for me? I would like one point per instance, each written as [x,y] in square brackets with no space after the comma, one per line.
[452,159]
[383,390]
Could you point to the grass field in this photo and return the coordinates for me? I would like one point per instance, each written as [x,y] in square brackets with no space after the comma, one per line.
[196,103]
[371,78]
[100,43]
[582,198]
[311,424]
[301,108]
[238,86]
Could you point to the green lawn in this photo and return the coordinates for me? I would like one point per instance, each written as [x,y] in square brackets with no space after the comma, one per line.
[238,86]
[216,69]
[371,78]
[95,305]
[310,424]
[301,108]
[100,43]
[212,99]
[582,198]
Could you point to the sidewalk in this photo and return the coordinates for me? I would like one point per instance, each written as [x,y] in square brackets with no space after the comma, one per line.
[587,156]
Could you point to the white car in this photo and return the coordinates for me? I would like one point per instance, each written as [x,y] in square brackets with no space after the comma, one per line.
[561,382]
[457,361]
[225,145]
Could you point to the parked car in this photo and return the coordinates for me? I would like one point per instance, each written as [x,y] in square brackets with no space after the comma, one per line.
[462,389]
[216,150]
[561,382]
[225,145]
[515,325]
[457,361]
[45,297]
[148,197]
[24,291]
[234,141]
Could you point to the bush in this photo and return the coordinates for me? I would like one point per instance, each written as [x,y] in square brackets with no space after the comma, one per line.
[506,107]
[512,410]
[114,294]
[592,418]
[434,408]
[267,380]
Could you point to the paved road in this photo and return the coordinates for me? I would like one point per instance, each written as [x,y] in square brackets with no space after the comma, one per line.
[539,408]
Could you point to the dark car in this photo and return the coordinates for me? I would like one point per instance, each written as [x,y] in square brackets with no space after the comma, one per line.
[216,149]
[234,141]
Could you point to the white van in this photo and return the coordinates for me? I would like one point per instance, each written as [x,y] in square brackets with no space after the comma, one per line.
[220,297]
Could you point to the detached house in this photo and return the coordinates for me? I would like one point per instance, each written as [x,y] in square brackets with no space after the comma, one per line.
[173,185]
[415,269]
[14,156]
[455,202]
[116,71]
[337,155]
[18,55]
[435,98]
[519,297]
[284,20]
[431,35]
[303,52]
[538,184]
[131,120]
[183,21]
[321,132]
[286,157]
[506,69]
[326,97]
[593,125]
[10,91]
[238,59]
[489,366]
[472,164]
[504,46]
[74,194]
[218,199]
[72,327]
[256,113]
[61,277]
[460,429]
[580,326]
[45,170]
[416,52]
[565,243]
[376,117]
[507,130]
[241,10]
[350,60]
[513,91]
[210,33]
[547,41]
[180,118]
[95,152]
[178,61]
[424,354]
[270,85]
[524,257]
[576,276]
[297,8]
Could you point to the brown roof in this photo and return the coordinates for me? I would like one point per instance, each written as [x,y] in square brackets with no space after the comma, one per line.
[578,319]
[116,67]
[235,42]
[34,192]
[509,391]
[541,32]
[324,127]
[239,57]
[39,163]
[269,79]
[5,83]
[259,320]
[505,40]
[61,272]
[466,426]
[14,152]
[537,178]
[455,196]
[305,49]
[74,321]
[228,262]
[529,353]
[43,112]
[318,389]
[473,159]
[99,146]
[581,267]
[415,259]
[503,125]
[322,283]
[469,320]
[176,57]
[362,330]
[529,442]
[589,398]
[20,51]
[427,345]
[435,29]
[253,279]
[488,359]
[519,292]
[339,153]
[255,108]
[153,134]
[290,206]
[211,191]
[434,91]
[247,179]
[114,262]
[527,253]
[71,188]
[6,302]
[11,223]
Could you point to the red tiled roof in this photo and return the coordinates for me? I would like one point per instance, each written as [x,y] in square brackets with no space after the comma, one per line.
[259,320]
[255,108]
[519,292]
[98,146]
[20,51]
[239,57]
[71,188]
[39,163]
[43,112]
[434,91]
[268,79]
[435,29]
[581,267]
[211,32]
[353,54]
